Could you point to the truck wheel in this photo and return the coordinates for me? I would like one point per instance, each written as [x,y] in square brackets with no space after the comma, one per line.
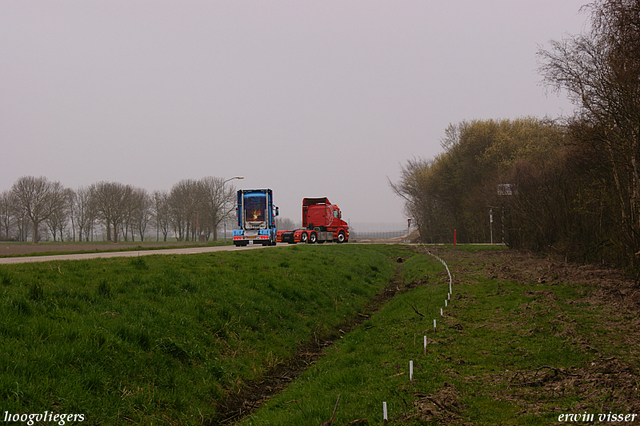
[341,237]
[313,238]
[304,237]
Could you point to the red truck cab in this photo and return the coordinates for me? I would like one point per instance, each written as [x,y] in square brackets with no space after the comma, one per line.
[321,221]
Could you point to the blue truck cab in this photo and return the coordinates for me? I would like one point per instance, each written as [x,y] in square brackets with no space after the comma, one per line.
[256,216]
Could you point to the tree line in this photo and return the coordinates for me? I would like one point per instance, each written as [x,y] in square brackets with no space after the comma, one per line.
[569,186]
[35,207]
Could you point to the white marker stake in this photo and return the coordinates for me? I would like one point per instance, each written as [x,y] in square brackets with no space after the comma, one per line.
[410,370]
[445,303]
[384,411]
[425,345]
[434,326]
[440,311]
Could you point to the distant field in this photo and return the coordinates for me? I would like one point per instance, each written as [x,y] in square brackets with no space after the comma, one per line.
[209,339]
[10,248]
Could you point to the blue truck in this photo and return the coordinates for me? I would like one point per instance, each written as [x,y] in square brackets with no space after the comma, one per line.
[256,218]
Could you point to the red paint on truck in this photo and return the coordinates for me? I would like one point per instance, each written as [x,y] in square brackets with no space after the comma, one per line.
[321,222]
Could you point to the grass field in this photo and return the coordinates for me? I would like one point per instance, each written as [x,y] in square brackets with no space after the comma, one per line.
[171,339]
[163,339]
[521,347]
[19,249]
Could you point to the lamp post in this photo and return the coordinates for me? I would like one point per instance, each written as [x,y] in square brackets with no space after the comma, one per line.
[224,206]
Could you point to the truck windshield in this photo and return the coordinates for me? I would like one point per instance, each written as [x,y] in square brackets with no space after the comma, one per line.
[255,207]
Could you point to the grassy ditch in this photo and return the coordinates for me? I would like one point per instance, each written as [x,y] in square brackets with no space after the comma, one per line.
[523,342]
[166,339]
[172,339]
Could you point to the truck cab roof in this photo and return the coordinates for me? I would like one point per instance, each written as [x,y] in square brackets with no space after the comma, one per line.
[313,201]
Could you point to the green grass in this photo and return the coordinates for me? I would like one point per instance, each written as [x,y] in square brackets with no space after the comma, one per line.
[368,366]
[506,352]
[163,339]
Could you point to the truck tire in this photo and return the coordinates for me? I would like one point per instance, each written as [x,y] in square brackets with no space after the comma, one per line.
[341,237]
[304,237]
[313,238]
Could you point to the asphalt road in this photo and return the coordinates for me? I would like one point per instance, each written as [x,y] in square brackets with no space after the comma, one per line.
[81,256]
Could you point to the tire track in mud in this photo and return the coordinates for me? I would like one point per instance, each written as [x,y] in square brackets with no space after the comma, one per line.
[251,397]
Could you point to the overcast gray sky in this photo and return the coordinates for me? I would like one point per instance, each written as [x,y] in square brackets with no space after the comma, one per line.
[323,98]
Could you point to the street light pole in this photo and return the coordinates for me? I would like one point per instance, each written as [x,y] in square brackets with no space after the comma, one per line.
[224,206]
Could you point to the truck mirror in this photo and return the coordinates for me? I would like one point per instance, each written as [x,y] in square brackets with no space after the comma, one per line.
[277,211]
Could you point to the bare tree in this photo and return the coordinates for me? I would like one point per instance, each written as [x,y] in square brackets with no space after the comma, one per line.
[110,201]
[123,207]
[216,205]
[600,70]
[161,212]
[423,186]
[184,200]
[83,214]
[36,198]
[129,212]
[101,195]
[141,211]
[21,221]
[60,210]
[6,215]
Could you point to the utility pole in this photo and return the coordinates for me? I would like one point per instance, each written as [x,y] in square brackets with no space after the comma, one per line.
[491,224]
